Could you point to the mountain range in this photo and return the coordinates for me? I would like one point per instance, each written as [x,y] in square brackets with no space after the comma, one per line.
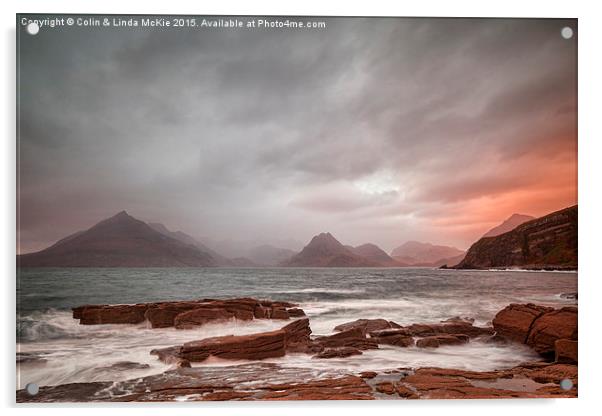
[124,241]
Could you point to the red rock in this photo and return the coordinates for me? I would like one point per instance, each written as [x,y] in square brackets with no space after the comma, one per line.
[368,374]
[241,347]
[386,387]
[397,340]
[277,304]
[514,321]
[241,308]
[297,334]
[399,337]
[454,327]
[279,313]
[430,381]
[251,347]
[405,392]
[367,325]
[339,388]
[114,314]
[547,373]
[389,332]
[260,312]
[472,375]
[200,316]
[436,341]
[241,314]
[566,351]
[550,327]
[162,315]
[350,338]
[248,382]
[295,312]
[338,352]
[220,396]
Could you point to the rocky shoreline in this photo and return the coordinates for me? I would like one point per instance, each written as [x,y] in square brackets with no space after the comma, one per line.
[552,333]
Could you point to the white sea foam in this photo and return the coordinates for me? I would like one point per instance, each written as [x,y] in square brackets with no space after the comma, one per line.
[475,356]
[86,352]
[322,290]
[404,311]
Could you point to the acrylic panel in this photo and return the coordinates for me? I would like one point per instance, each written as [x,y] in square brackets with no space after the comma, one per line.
[295,208]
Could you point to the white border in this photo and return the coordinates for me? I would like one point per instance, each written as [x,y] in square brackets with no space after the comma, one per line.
[590,209]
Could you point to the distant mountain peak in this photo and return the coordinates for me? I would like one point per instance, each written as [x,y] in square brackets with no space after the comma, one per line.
[514,216]
[325,241]
[325,236]
[324,250]
[118,241]
[367,246]
[119,217]
[425,254]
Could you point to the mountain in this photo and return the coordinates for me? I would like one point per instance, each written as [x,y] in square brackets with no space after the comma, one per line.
[510,224]
[188,239]
[178,235]
[268,255]
[326,251]
[415,253]
[542,243]
[119,241]
[375,254]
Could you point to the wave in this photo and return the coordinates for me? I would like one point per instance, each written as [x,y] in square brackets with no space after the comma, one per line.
[48,325]
[323,290]
[474,356]
[82,353]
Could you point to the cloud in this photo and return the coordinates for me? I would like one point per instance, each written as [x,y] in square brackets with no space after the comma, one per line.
[226,133]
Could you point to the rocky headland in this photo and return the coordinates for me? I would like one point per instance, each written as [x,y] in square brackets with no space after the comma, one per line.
[548,243]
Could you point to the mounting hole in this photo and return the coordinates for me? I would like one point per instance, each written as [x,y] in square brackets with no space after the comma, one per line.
[566,384]
[32,28]
[566,32]
[32,389]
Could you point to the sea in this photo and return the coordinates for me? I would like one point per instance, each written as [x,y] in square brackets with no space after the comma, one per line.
[52,348]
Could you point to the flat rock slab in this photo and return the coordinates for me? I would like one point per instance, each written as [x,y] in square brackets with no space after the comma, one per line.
[267,381]
[258,346]
[261,381]
[437,341]
[186,314]
[535,380]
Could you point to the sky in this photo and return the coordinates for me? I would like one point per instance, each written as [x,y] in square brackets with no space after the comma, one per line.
[378,130]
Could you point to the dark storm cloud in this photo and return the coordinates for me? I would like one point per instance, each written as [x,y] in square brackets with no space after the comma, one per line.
[368,129]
